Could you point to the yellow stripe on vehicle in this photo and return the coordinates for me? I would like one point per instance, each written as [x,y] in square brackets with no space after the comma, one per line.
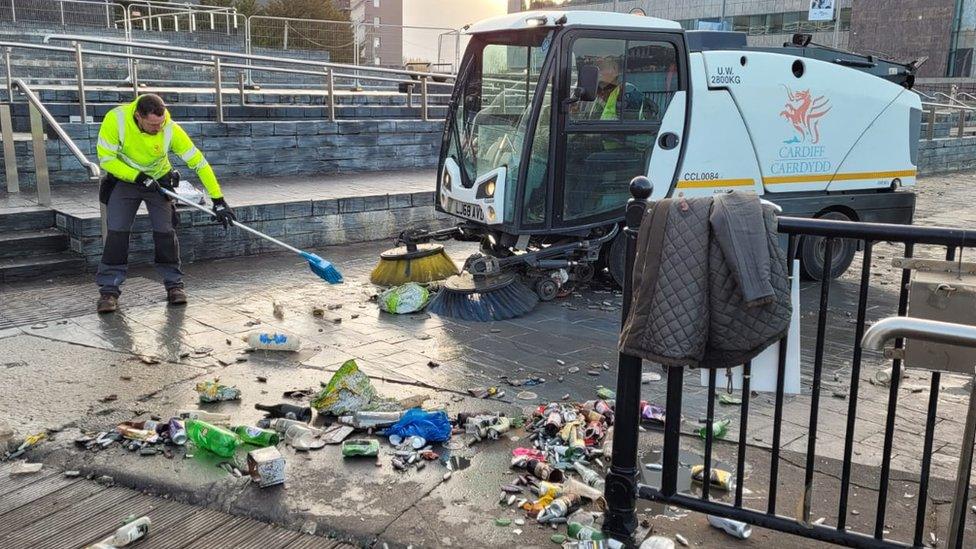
[853,176]
[686,184]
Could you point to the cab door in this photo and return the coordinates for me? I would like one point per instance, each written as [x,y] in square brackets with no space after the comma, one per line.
[635,126]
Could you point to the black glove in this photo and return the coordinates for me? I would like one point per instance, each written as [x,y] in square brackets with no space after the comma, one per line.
[222,212]
[147,183]
[170,181]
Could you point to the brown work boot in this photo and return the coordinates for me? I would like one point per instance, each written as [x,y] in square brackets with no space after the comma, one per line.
[176,296]
[108,303]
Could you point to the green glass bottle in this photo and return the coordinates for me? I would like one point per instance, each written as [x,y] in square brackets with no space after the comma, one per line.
[583,532]
[210,437]
[719,429]
[257,436]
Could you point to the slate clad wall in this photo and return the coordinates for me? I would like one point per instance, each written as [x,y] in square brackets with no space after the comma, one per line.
[249,149]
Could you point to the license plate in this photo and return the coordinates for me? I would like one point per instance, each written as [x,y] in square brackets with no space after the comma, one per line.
[469,211]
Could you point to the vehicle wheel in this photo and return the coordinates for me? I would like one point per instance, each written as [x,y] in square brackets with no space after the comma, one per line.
[617,258]
[546,289]
[812,253]
[584,273]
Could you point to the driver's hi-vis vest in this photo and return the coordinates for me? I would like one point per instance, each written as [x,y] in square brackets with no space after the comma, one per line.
[124,150]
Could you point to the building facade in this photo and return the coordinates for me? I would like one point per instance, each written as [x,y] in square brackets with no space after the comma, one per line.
[379,30]
[943,31]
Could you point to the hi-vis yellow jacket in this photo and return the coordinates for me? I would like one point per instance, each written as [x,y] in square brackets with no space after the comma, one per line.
[124,150]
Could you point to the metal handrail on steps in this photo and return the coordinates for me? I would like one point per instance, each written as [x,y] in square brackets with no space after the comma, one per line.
[38,115]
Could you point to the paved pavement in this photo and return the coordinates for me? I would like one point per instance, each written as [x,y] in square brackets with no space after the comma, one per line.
[60,367]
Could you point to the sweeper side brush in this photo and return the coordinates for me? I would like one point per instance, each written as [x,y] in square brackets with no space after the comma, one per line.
[421,263]
[483,298]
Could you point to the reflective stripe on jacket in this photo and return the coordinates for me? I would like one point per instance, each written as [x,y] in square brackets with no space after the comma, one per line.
[124,150]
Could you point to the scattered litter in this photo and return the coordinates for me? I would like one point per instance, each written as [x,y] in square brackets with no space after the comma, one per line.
[729,400]
[361,447]
[503,522]
[337,433]
[560,362]
[840,394]
[126,535]
[526,395]
[855,512]
[657,542]
[262,379]
[309,527]
[433,364]
[432,426]
[486,392]
[719,429]
[558,539]
[273,341]
[278,310]
[652,413]
[266,466]
[109,398]
[648,377]
[370,420]
[150,360]
[349,390]
[573,369]
[681,539]
[72,474]
[720,478]
[24,468]
[654,466]
[408,298]
[605,393]
[819,521]
[213,391]
[731,527]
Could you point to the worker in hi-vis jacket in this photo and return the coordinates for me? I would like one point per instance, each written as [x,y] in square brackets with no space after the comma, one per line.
[134,142]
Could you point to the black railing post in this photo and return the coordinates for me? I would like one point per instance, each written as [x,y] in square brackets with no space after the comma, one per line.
[621,482]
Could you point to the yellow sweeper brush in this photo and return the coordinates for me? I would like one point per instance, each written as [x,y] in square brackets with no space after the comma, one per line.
[412,262]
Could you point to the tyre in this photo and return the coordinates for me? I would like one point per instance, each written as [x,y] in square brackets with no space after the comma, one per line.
[811,251]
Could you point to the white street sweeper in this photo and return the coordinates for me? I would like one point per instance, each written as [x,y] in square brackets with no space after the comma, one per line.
[553,113]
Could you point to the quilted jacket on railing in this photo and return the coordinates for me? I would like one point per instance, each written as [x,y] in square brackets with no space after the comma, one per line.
[710,286]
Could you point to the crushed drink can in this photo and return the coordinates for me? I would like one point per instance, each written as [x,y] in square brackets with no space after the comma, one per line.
[731,527]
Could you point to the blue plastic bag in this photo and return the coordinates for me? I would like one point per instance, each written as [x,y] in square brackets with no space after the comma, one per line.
[433,426]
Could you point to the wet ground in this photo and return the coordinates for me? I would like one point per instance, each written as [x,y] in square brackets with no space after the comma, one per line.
[70,371]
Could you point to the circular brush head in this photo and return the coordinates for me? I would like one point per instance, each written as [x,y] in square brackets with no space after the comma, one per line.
[427,263]
[483,298]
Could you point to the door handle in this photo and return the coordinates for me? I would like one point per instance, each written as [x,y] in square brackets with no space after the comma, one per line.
[668,140]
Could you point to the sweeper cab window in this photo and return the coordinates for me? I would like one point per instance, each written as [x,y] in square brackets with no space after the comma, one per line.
[490,118]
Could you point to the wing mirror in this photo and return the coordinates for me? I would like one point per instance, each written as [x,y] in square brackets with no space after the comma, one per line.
[587,83]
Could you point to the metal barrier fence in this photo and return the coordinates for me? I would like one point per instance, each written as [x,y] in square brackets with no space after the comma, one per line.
[623,488]
[64,13]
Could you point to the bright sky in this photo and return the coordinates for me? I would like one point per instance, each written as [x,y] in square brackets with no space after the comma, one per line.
[422,44]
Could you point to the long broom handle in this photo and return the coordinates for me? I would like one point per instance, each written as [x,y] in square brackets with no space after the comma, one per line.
[237,224]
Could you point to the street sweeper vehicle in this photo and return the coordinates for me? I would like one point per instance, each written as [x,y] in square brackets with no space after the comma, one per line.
[553,114]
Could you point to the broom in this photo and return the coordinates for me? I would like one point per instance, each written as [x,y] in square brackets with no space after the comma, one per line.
[322,268]
[412,262]
[483,298]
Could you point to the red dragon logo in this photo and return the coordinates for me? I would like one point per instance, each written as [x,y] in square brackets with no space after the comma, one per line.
[804,112]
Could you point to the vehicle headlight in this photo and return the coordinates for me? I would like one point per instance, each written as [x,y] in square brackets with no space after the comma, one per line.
[446,181]
[491,214]
[486,189]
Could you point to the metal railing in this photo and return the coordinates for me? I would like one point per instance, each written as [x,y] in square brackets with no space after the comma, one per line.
[38,116]
[356,42]
[623,488]
[939,116]
[328,72]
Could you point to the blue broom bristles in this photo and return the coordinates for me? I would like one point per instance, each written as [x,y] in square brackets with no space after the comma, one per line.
[511,301]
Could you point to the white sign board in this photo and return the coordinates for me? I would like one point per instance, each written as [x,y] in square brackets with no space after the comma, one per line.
[765,366]
[821,10]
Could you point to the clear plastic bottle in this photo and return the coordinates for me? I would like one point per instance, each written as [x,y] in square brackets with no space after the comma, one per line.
[275,341]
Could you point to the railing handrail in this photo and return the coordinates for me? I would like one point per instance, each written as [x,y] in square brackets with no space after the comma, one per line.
[94,170]
[894,327]
[366,23]
[200,62]
[883,232]
[950,98]
[253,57]
[180,11]
[948,106]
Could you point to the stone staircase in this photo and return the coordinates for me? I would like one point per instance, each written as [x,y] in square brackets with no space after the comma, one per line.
[32,247]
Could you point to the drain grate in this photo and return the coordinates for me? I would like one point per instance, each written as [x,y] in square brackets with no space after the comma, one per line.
[30,306]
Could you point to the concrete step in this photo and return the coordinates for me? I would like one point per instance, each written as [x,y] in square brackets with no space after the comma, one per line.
[26,220]
[41,266]
[32,243]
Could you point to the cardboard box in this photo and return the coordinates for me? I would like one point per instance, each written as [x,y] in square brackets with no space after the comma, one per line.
[266,466]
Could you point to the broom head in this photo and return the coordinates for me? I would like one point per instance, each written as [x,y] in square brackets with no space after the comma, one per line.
[427,263]
[483,298]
